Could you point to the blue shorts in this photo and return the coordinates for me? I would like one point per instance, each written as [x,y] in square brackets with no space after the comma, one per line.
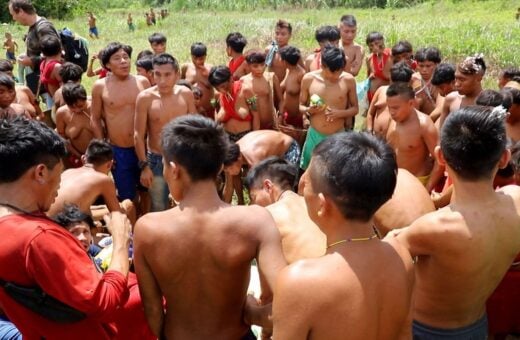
[476,331]
[93,30]
[126,172]
[10,56]
[159,190]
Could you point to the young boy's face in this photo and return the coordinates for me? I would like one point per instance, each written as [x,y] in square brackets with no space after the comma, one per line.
[198,61]
[119,63]
[7,96]
[348,33]
[399,107]
[158,47]
[282,36]
[165,77]
[465,83]
[377,46]
[81,231]
[426,69]
[331,76]
[257,70]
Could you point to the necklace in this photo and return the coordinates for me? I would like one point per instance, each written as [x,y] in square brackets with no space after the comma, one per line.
[359,239]
[12,207]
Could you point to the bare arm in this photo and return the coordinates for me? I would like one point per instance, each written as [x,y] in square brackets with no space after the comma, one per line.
[431,139]
[110,196]
[97,108]
[358,61]
[277,90]
[140,125]
[439,105]
[190,101]
[371,113]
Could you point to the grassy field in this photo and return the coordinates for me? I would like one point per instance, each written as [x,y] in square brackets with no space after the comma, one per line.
[458,29]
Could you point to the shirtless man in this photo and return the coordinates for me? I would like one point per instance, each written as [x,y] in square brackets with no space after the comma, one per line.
[291,85]
[24,95]
[282,36]
[155,107]
[378,117]
[337,90]
[193,236]
[238,112]
[468,78]
[412,135]
[400,211]
[197,73]
[343,292]
[513,119]
[235,44]
[353,51]
[325,35]
[83,186]
[266,89]
[466,248]
[271,183]
[73,123]
[8,107]
[113,101]
[443,79]
[426,94]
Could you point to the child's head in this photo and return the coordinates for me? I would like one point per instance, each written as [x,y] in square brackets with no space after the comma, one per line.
[507,75]
[198,52]
[473,142]
[235,42]
[232,162]
[144,67]
[219,77]
[401,72]
[99,153]
[348,28]
[116,58]
[8,35]
[512,96]
[427,59]
[77,223]
[493,98]
[282,32]
[75,97]
[144,53]
[6,67]
[402,51]
[469,73]
[7,90]
[353,172]
[333,59]
[444,78]
[70,72]
[375,42]
[327,35]
[157,42]
[256,62]
[400,100]
[290,54]
[197,94]
[50,45]
[165,72]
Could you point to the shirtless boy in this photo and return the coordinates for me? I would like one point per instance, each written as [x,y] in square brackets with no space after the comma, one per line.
[69,73]
[155,107]
[10,46]
[453,283]
[282,35]
[412,135]
[235,113]
[378,117]
[8,107]
[158,43]
[113,101]
[24,95]
[235,44]
[378,63]
[403,51]
[92,29]
[513,118]
[196,73]
[353,51]
[194,235]
[325,35]
[426,94]
[443,79]
[350,176]
[337,89]
[291,85]
[271,183]
[73,123]
[468,78]
[266,89]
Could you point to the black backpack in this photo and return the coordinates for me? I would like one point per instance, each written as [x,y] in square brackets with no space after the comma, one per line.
[75,48]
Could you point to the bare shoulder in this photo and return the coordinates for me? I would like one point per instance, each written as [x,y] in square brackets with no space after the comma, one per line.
[300,276]
[511,190]
[99,84]
[62,111]
[450,97]
[347,77]
[253,215]
[424,119]
[142,81]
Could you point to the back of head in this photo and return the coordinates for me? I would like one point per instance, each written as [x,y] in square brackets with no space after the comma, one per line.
[144,53]
[24,5]
[145,62]
[219,75]
[232,154]
[443,74]
[356,170]
[71,215]
[98,152]
[472,141]
[198,49]
[400,89]
[333,58]
[348,20]
[165,59]
[157,38]
[428,54]
[70,72]
[401,72]
[50,45]
[472,65]
[25,143]
[196,143]
[401,47]
[73,92]
[327,34]
[111,49]
[512,94]
[276,169]
[284,24]
[290,54]
[255,57]
[510,73]
[492,98]
[236,41]
[7,81]
[6,66]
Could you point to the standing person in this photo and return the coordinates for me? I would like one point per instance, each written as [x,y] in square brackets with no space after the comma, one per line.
[353,51]
[378,62]
[50,67]
[362,286]
[92,29]
[113,101]
[24,13]
[453,283]
[193,235]
[11,47]
[130,22]
[324,35]
[291,86]
[153,19]
[426,94]
[155,107]
[36,252]
[235,44]
[282,36]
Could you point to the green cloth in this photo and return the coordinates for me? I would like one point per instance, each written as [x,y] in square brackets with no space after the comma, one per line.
[313,138]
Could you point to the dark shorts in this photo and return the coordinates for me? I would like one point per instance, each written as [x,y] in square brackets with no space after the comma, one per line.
[234,137]
[93,30]
[292,155]
[126,172]
[475,331]
[10,56]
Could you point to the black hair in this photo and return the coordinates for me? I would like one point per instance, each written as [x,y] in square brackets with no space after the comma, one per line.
[511,94]
[473,65]
[197,92]
[493,98]
[165,59]
[6,66]
[25,143]
[196,143]
[472,140]
[356,170]
[277,169]
[255,57]
[98,152]
[232,154]
[50,45]
[403,46]
[145,62]
[72,215]
[290,54]
[515,157]
[327,34]
[7,81]
[428,54]
[219,75]
[111,49]
[333,58]
[374,36]
[73,92]
[144,53]
[70,72]
[198,49]
[24,5]
[157,38]
[236,41]
[401,72]
[348,20]
[284,24]
[444,74]
[510,73]
[400,89]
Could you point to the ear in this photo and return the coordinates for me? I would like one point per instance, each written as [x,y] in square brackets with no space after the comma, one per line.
[324,207]
[174,170]
[267,185]
[40,173]
[504,159]
[439,156]
[83,159]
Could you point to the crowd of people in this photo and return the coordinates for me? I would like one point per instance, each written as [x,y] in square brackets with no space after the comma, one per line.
[123,211]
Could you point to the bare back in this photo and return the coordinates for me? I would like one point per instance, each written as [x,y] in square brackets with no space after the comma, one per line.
[258,145]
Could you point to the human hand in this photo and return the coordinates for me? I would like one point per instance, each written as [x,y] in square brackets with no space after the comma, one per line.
[25,60]
[332,114]
[146,177]
[119,227]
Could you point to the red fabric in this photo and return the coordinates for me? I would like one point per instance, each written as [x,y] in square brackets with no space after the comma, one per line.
[103,73]
[46,68]
[296,120]
[228,103]
[36,251]
[74,161]
[502,306]
[379,67]
[234,64]
[412,64]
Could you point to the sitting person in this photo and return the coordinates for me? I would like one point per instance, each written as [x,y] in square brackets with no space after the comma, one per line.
[24,95]
[8,107]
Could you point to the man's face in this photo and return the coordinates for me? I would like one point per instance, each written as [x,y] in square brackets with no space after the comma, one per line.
[332,76]
[158,48]
[399,107]
[426,69]
[465,83]
[119,63]
[81,231]
[198,61]
[282,36]
[165,77]
[18,17]
[348,33]
[7,96]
